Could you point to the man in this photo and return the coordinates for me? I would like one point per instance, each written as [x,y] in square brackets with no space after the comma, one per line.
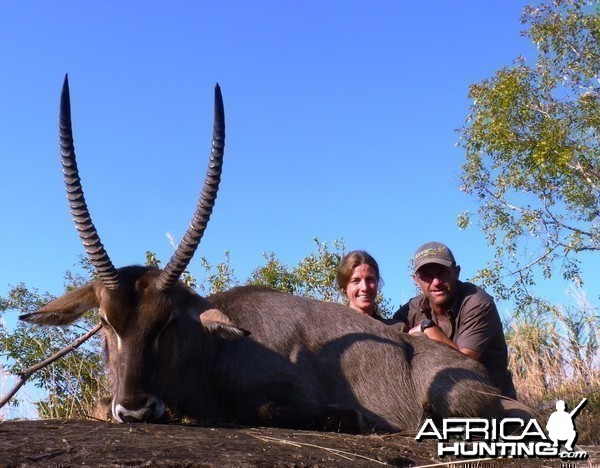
[560,426]
[458,314]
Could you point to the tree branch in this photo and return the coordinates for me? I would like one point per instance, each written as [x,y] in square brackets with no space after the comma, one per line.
[502,201]
[531,264]
[24,375]
[562,225]
[579,168]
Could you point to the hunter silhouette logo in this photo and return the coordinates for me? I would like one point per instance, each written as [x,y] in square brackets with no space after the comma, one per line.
[560,425]
[507,437]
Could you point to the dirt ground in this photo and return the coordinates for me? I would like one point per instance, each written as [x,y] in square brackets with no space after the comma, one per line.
[68,443]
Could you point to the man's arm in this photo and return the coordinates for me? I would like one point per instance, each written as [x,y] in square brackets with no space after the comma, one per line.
[436,334]
[402,313]
[481,322]
[471,353]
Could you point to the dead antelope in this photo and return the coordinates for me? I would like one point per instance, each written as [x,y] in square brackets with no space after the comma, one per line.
[251,354]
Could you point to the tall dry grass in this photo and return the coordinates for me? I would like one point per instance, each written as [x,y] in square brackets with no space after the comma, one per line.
[75,396]
[554,355]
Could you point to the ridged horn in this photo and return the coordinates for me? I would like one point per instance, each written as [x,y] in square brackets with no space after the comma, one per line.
[83,221]
[185,251]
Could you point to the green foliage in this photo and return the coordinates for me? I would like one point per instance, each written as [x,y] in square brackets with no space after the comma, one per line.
[186,277]
[152,260]
[274,275]
[532,157]
[314,276]
[218,278]
[72,383]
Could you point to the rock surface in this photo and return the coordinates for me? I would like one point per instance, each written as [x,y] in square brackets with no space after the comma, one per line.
[81,442]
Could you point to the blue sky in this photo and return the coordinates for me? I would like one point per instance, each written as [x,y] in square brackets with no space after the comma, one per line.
[341,119]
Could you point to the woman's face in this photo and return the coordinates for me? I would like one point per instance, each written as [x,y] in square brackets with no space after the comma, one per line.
[362,288]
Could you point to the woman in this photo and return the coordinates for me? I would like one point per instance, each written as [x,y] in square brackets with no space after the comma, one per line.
[358,278]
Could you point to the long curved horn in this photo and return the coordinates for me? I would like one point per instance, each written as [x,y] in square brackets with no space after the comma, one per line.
[79,210]
[185,251]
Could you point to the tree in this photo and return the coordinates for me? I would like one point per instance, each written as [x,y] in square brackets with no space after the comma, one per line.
[532,157]
[314,276]
[71,384]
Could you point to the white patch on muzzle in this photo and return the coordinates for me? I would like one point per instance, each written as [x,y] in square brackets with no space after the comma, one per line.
[153,410]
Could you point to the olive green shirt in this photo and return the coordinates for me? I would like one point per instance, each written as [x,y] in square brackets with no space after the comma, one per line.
[472,322]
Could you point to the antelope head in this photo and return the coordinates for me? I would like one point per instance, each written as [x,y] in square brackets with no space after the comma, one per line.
[136,304]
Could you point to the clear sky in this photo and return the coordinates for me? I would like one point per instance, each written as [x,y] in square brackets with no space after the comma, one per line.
[341,119]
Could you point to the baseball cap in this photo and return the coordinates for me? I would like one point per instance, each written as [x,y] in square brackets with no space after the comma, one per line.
[433,252]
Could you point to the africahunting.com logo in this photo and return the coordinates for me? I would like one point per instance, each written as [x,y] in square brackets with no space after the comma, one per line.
[508,437]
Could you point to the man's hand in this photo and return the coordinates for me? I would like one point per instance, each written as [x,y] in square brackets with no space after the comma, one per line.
[433,333]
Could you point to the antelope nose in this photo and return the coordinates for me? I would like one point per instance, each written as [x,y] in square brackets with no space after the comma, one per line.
[150,409]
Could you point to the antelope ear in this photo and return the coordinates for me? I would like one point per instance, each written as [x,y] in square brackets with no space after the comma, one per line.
[67,308]
[217,323]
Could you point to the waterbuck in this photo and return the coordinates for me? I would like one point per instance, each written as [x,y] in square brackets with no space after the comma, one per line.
[252,355]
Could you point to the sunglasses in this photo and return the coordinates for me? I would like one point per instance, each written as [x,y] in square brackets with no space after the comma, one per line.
[428,274]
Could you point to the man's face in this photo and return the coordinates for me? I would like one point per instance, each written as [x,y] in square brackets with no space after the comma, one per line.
[438,283]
